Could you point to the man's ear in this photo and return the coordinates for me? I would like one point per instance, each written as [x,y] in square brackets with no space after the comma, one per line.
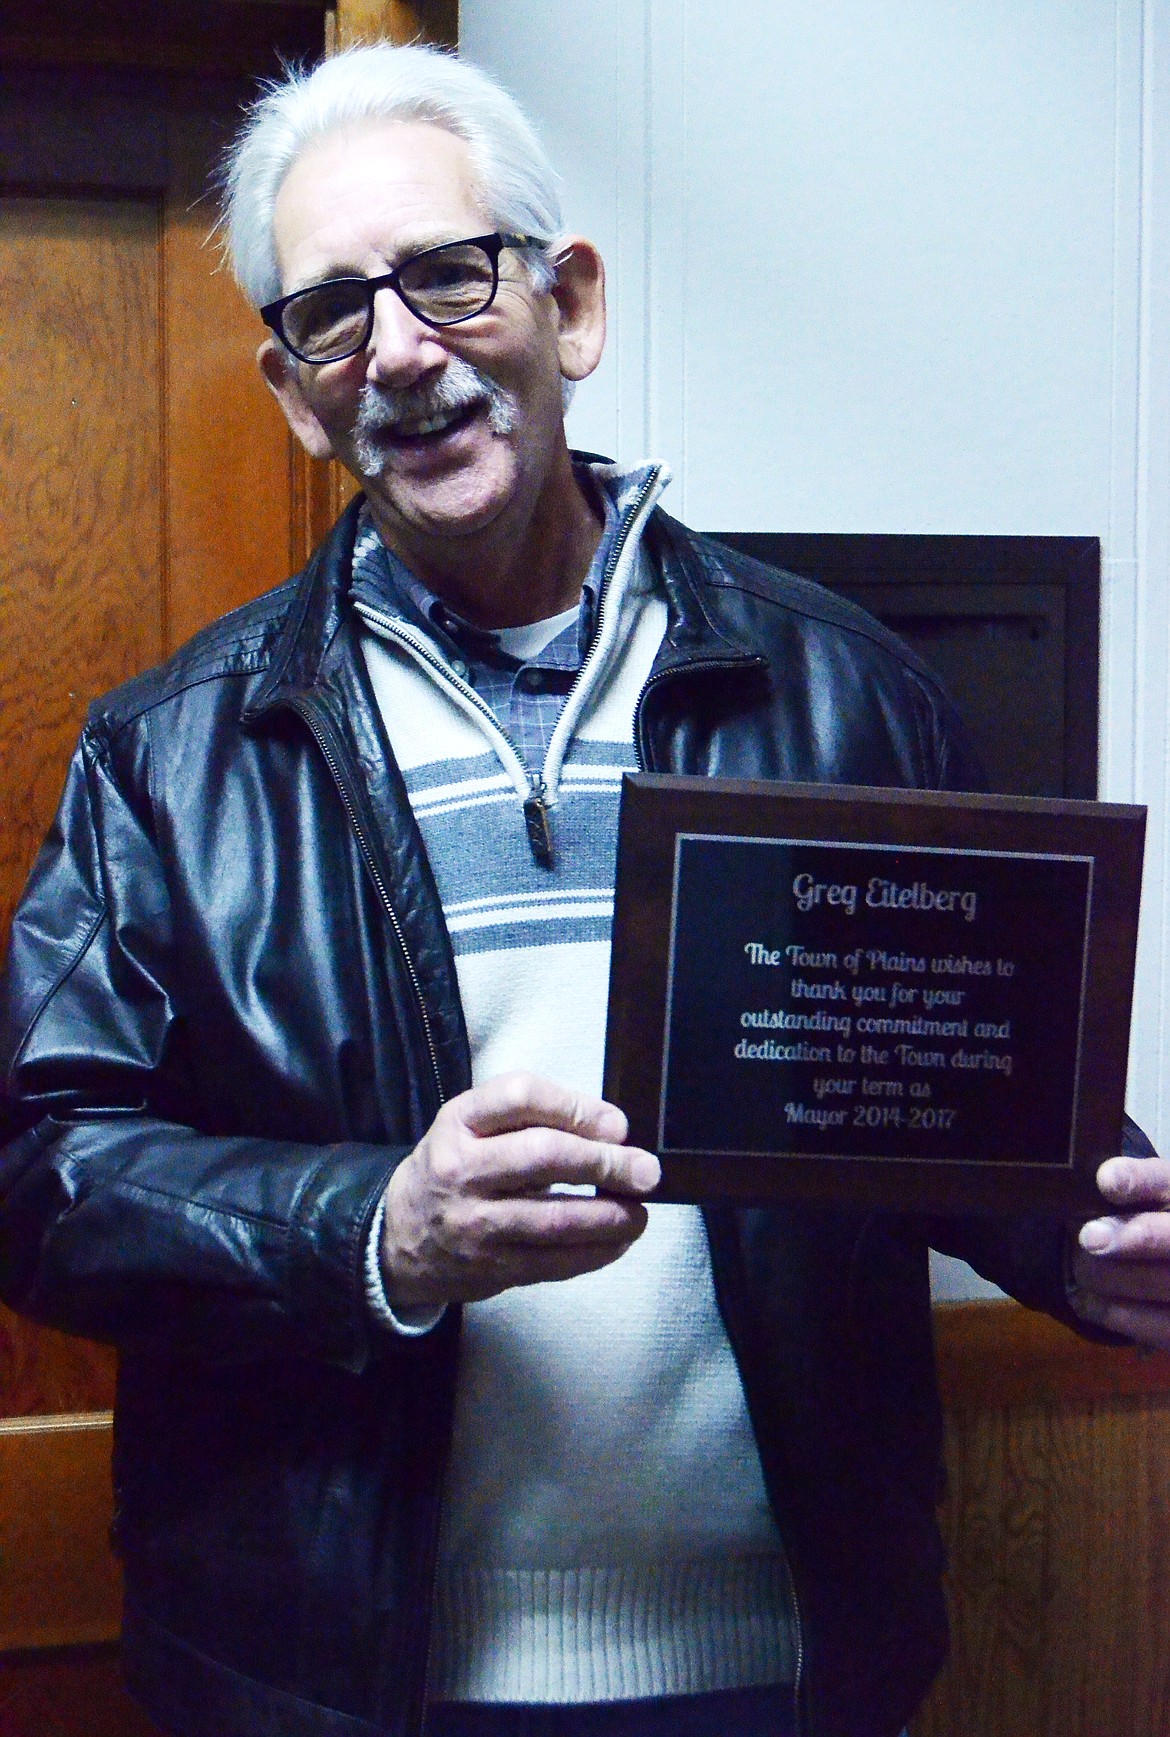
[579,294]
[279,372]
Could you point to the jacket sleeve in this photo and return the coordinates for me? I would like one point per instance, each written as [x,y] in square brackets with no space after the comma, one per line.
[1025,1254]
[119,1218]
[1028,1254]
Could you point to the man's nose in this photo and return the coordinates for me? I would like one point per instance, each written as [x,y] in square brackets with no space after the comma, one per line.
[402,349]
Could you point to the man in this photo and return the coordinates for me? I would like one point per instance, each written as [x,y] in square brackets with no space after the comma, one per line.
[423,1415]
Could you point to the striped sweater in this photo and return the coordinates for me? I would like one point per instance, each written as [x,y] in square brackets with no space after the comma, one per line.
[606,1530]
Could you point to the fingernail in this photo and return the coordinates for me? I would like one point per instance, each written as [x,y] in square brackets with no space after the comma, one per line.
[645,1171]
[1096,1237]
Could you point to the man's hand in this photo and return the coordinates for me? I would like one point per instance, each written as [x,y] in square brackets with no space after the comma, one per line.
[1122,1263]
[470,1212]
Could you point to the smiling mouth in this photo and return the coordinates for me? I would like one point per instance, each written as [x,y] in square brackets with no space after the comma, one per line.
[431,428]
[420,421]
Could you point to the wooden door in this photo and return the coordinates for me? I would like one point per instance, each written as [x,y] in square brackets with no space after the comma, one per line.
[147,484]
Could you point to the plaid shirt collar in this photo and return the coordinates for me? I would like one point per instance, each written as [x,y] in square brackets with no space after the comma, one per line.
[382,578]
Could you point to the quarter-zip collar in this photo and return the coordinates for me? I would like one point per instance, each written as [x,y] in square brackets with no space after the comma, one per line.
[633,496]
[317,672]
[318,615]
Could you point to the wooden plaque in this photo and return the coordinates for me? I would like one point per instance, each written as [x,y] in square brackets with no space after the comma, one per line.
[893,997]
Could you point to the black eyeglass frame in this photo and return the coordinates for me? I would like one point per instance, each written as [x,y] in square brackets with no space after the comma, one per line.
[492,245]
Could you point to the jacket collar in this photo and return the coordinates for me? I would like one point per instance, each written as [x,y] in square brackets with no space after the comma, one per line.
[700,630]
[317,615]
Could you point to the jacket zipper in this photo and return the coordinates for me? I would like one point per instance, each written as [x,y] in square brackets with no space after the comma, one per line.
[663,677]
[432,1591]
[331,760]
[319,735]
[536,810]
[798,1679]
[645,488]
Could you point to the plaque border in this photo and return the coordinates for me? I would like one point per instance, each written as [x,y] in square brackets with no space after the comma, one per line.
[659,812]
[681,838]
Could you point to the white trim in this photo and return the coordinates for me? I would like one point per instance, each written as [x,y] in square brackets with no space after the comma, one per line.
[1138,708]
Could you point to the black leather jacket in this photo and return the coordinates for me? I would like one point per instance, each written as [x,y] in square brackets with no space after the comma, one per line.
[231,1010]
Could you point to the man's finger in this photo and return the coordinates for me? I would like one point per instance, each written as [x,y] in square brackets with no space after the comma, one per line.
[1143,1237]
[1134,1183]
[523,1100]
[532,1159]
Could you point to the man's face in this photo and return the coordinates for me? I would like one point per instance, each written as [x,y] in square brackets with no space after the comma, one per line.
[447,430]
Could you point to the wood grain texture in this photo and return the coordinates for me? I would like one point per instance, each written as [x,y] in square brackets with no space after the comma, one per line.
[144,469]
[996,1354]
[319,490]
[1059,1532]
[46,1372]
[200,36]
[59,1582]
[80,483]
[230,527]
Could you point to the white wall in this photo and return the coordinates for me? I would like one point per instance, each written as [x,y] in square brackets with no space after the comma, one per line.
[891,265]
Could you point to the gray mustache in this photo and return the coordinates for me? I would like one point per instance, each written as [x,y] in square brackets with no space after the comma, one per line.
[388,410]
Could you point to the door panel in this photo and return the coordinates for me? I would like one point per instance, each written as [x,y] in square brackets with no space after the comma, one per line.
[82,548]
[147,484]
[54,1522]
[232,530]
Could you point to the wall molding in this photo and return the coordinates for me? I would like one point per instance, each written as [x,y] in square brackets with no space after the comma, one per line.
[996,1354]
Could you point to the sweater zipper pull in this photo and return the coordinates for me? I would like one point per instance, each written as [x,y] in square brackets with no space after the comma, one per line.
[536,823]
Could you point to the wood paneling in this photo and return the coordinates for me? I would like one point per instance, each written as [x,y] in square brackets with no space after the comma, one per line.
[43,1372]
[997,1354]
[1059,1537]
[1057,1521]
[59,1581]
[231,528]
[74,1692]
[201,36]
[146,485]
[80,444]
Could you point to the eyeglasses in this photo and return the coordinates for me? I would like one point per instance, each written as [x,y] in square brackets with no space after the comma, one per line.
[441,286]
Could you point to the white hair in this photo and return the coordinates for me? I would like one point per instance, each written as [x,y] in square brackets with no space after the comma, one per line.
[381,82]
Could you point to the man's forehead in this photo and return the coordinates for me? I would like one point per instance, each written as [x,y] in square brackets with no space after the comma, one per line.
[388,156]
[374,190]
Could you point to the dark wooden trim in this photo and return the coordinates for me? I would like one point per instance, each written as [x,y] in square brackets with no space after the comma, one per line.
[400,21]
[59,1581]
[178,36]
[993,1354]
[69,1691]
